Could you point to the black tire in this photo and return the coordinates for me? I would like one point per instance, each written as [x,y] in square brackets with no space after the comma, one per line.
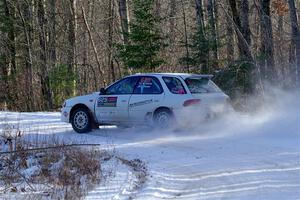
[163,118]
[81,121]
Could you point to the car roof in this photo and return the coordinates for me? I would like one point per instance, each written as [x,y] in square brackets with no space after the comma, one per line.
[183,75]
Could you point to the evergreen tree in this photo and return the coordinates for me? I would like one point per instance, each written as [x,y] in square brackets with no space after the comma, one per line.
[61,80]
[145,41]
[199,52]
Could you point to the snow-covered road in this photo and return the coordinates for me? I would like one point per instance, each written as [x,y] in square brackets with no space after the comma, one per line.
[240,156]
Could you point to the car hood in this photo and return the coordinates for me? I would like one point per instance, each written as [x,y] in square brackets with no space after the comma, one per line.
[82,99]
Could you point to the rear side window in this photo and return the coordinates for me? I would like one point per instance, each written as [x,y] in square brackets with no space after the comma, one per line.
[174,85]
[148,85]
[201,85]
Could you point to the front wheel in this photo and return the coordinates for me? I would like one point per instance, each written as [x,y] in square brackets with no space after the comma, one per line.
[81,121]
[163,118]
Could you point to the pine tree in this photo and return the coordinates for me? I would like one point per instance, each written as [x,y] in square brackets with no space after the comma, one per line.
[199,47]
[145,41]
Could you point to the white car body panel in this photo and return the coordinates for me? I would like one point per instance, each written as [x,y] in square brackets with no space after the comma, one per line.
[117,114]
[139,108]
[87,100]
[140,105]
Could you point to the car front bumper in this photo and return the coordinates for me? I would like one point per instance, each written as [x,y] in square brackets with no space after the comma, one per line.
[65,114]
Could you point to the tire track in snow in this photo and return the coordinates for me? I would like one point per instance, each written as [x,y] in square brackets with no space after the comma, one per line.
[201,176]
[214,185]
[208,188]
[207,194]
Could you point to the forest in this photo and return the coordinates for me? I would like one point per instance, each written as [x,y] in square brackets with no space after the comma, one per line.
[51,50]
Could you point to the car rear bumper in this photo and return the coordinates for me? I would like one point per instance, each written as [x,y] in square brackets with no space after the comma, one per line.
[190,115]
[195,115]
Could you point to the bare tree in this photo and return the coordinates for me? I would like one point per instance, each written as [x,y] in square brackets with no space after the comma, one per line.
[44,75]
[111,12]
[123,12]
[213,30]
[52,32]
[230,41]
[266,39]
[72,27]
[172,16]
[245,27]
[202,36]
[25,14]
[94,47]
[295,37]
[9,11]
[241,30]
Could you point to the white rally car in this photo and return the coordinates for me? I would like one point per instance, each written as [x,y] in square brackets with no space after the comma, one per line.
[158,99]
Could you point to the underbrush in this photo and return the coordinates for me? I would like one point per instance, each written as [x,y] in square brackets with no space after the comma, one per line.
[49,169]
[43,166]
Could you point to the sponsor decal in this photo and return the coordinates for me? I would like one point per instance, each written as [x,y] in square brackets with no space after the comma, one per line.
[107,101]
[141,103]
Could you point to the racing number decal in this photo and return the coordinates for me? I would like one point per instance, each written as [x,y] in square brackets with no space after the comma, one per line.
[107,101]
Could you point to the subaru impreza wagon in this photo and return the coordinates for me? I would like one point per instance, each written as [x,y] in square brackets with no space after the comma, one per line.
[155,99]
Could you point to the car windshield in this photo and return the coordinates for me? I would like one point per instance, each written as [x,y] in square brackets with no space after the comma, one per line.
[201,85]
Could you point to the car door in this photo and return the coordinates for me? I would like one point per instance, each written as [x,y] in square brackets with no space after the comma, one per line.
[112,107]
[147,96]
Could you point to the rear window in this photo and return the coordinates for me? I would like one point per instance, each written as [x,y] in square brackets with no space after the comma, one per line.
[201,85]
[174,85]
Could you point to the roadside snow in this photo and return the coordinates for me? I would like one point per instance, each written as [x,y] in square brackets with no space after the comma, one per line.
[240,156]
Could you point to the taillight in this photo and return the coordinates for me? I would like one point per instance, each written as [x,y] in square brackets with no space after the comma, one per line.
[191,102]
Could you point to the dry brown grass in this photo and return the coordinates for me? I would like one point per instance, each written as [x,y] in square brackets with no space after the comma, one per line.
[61,171]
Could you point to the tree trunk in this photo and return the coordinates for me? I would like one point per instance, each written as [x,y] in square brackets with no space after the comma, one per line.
[199,15]
[243,45]
[71,60]
[52,33]
[123,12]
[157,8]
[27,29]
[230,42]
[266,39]
[51,44]
[110,40]
[247,71]
[11,94]
[213,31]
[202,37]
[185,37]
[94,48]
[280,55]
[295,38]
[45,83]
[245,28]
[172,22]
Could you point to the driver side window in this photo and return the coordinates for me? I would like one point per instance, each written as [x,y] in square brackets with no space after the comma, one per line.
[124,86]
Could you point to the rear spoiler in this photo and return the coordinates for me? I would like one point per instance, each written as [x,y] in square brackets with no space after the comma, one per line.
[209,76]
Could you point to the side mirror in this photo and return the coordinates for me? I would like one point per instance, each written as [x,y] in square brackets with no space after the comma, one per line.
[102,91]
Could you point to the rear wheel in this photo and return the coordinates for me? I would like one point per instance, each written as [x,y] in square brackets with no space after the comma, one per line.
[163,118]
[81,121]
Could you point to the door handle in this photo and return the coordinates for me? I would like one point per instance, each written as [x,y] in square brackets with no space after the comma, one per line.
[124,101]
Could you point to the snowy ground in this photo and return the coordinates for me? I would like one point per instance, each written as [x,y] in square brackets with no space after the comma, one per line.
[240,156]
